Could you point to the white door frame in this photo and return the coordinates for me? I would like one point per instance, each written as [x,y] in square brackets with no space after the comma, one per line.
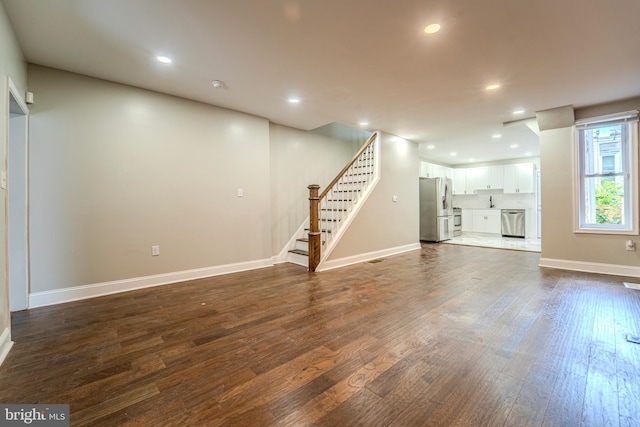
[15,179]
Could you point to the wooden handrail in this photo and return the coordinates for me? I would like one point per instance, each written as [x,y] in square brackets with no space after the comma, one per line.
[315,239]
[346,168]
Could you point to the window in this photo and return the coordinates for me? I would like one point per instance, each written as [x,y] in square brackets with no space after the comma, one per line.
[607,174]
[608,164]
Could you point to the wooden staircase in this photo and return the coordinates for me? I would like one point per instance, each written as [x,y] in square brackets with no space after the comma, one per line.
[333,209]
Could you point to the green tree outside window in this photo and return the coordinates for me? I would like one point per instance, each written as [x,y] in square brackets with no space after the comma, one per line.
[609,196]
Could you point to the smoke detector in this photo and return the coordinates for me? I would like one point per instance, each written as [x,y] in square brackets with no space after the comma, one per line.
[218,84]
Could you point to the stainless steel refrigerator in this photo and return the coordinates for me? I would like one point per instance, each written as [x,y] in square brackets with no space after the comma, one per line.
[436,209]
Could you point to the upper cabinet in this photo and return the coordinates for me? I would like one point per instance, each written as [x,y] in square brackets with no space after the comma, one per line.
[425,169]
[430,170]
[495,179]
[459,181]
[516,178]
[485,178]
[519,178]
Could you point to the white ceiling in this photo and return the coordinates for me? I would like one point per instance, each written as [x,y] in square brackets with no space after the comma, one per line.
[354,60]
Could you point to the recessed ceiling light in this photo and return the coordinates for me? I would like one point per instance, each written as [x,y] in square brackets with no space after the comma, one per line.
[218,84]
[294,100]
[493,86]
[453,153]
[432,28]
[496,136]
[516,112]
[430,147]
[514,146]
[364,123]
[164,59]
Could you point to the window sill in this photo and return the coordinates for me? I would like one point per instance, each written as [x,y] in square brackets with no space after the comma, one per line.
[606,232]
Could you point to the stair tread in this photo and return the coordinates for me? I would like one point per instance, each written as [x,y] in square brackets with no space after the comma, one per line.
[299,252]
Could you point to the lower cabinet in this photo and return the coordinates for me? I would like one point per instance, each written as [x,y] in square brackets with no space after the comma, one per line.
[467,220]
[486,221]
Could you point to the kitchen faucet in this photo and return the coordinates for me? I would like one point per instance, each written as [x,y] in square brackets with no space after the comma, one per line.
[491,205]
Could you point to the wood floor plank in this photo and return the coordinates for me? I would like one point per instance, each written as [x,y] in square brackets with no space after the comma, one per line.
[446,335]
[106,407]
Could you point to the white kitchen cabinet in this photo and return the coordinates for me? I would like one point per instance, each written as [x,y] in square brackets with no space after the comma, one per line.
[519,178]
[486,221]
[426,169]
[484,178]
[489,178]
[470,180]
[467,220]
[448,172]
[479,179]
[496,177]
[431,170]
[459,181]
[438,171]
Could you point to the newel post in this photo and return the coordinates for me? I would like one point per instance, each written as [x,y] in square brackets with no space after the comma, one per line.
[314,227]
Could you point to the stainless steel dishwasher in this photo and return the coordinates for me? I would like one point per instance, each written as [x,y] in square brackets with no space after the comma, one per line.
[513,222]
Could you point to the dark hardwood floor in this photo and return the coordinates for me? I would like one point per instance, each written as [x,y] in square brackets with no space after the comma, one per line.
[446,336]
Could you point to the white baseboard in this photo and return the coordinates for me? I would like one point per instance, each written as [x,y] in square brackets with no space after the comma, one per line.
[58,296]
[591,267]
[342,262]
[5,344]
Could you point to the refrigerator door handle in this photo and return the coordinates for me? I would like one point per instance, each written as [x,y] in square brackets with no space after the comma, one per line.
[444,197]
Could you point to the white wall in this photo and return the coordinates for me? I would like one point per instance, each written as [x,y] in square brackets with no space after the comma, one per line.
[116,169]
[13,66]
[383,224]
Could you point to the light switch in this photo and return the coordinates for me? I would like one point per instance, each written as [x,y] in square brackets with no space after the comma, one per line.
[240,192]
[394,198]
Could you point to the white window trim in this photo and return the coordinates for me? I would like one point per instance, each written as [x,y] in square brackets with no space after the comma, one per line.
[633,181]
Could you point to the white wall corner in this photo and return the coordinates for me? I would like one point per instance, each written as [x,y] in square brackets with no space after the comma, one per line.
[590,267]
[5,344]
[354,259]
[59,296]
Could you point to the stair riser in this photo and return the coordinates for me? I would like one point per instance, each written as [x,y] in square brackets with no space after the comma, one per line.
[336,204]
[298,259]
[349,186]
[358,178]
[361,170]
[303,246]
[332,215]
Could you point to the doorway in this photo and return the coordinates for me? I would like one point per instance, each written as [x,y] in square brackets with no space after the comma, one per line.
[15,180]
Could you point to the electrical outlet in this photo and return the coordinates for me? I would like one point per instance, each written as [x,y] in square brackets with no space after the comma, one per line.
[155,250]
[630,245]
